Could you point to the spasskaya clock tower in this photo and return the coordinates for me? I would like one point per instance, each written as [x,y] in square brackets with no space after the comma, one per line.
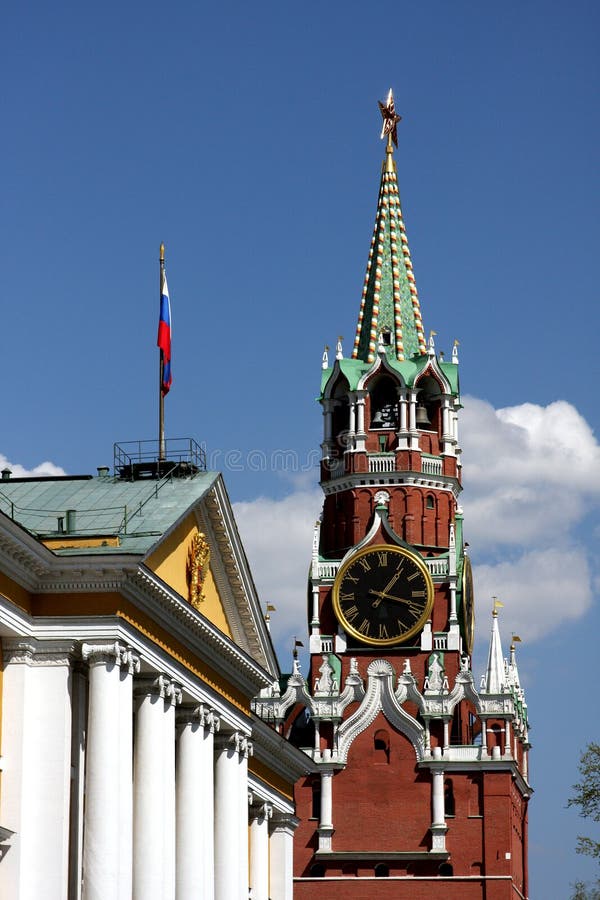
[421,784]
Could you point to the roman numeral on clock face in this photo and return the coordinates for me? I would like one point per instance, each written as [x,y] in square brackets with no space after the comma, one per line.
[413,576]
[382,558]
[383,632]
[351,613]
[366,566]
[418,594]
[365,627]
[346,598]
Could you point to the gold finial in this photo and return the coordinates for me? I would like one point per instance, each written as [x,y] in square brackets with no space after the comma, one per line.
[390,121]
[162,253]
[497,605]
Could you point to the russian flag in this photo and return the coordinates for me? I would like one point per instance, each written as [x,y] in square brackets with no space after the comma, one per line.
[164,336]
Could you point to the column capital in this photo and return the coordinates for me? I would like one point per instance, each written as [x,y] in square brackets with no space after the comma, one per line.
[284,822]
[104,653]
[260,810]
[34,652]
[201,715]
[237,742]
[158,686]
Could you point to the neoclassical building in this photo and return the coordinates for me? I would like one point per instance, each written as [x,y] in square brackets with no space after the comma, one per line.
[132,643]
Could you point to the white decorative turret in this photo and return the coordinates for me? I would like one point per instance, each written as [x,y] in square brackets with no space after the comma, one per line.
[455,353]
[339,352]
[431,348]
[494,680]
[325,362]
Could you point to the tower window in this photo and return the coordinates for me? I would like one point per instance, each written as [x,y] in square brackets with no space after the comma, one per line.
[449,807]
[382,870]
[384,404]
[446,870]
[386,337]
[316,799]
[318,870]
[382,746]
[430,502]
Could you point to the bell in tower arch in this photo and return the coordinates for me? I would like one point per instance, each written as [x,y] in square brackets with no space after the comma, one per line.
[422,416]
[384,404]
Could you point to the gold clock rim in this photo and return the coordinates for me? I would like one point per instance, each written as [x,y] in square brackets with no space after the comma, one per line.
[469,627]
[400,551]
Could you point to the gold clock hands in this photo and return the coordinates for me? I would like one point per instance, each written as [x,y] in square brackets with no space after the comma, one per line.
[390,583]
[383,595]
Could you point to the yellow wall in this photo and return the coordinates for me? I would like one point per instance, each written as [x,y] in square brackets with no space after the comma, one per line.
[98,604]
[14,592]
[169,561]
[261,771]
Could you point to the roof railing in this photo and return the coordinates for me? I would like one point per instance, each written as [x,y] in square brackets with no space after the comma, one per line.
[136,460]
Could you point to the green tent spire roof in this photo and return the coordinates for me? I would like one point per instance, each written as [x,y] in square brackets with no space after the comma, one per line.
[390,303]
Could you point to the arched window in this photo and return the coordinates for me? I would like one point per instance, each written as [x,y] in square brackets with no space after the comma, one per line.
[449,807]
[428,404]
[382,870]
[384,404]
[341,417]
[446,870]
[496,736]
[317,870]
[430,502]
[381,745]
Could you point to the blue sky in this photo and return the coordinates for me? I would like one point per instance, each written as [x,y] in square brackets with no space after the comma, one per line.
[246,138]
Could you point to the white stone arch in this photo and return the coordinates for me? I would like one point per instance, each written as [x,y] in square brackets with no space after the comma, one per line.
[379,696]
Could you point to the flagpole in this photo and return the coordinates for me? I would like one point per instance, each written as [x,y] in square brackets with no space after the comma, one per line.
[161,398]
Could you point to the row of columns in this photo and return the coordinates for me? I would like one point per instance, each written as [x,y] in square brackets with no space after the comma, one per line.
[166,810]
[173,838]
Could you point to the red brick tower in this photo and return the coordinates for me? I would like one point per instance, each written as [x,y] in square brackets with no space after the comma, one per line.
[421,785]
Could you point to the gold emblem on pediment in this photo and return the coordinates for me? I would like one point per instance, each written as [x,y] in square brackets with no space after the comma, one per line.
[197,568]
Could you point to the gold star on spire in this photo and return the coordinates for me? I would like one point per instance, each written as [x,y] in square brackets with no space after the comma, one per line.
[390,119]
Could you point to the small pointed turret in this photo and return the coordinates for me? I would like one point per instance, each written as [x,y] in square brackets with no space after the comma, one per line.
[494,678]
[390,303]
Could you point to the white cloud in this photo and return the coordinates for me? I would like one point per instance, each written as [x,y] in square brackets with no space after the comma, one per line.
[18,471]
[531,473]
[540,590]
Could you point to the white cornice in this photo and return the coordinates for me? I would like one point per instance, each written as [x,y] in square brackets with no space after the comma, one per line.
[278,754]
[165,606]
[243,605]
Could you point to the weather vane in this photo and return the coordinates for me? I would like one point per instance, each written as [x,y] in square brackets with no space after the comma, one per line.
[390,119]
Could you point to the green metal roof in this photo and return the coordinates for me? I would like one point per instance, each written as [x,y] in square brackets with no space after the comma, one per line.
[389,298]
[354,369]
[138,512]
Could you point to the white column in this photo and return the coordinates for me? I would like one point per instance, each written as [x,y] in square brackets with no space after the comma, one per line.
[227,818]
[259,851]
[195,804]
[351,421]
[326,817]
[244,751]
[107,846]
[438,825]
[173,697]
[412,421]
[36,750]
[154,790]
[282,857]
[360,420]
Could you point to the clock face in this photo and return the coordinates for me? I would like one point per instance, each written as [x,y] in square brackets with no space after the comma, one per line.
[468,605]
[383,595]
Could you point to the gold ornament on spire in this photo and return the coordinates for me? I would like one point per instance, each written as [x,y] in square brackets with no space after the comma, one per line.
[390,120]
